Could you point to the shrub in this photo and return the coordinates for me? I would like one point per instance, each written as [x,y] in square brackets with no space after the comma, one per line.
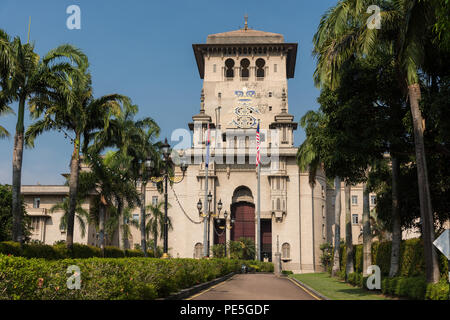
[438,291]
[243,249]
[37,250]
[412,287]
[109,278]
[114,252]
[355,279]
[10,247]
[218,250]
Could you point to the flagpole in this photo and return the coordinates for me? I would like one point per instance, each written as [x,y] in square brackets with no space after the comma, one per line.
[258,223]
[206,218]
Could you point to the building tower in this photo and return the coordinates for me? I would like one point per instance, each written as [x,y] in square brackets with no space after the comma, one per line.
[245,79]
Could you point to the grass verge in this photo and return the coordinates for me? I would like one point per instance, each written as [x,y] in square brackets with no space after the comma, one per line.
[335,289]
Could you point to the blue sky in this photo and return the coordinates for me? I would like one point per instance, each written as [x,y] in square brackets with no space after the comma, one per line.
[143,49]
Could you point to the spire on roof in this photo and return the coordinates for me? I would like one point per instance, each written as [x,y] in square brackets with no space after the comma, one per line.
[246,22]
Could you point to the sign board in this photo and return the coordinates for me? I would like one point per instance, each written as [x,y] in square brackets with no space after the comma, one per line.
[443,243]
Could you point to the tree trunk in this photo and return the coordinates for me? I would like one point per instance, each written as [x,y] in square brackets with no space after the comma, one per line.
[337,227]
[396,228]
[367,236]
[73,191]
[312,235]
[426,211]
[122,225]
[101,227]
[142,225]
[348,232]
[17,232]
[155,245]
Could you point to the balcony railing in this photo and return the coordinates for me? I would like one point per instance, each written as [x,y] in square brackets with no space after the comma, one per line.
[37,212]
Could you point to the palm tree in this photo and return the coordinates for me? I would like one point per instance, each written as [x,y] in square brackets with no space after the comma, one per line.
[308,159]
[135,140]
[112,189]
[344,34]
[81,214]
[4,109]
[69,105]
[23,74]
[155,223]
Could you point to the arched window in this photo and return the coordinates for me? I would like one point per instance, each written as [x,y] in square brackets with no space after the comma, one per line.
[198,250]
[260,63]
[245,72]
[229,71]
[286,251]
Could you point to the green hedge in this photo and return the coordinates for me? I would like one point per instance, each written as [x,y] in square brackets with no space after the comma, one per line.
[412,263]
[410,287]
[108,278]
[60,251]
[411,282]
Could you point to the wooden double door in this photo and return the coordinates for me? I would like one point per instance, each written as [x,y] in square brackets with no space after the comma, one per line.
[243,214]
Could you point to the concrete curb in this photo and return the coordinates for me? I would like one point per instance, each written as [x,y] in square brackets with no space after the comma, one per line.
[321,296]
[186,293]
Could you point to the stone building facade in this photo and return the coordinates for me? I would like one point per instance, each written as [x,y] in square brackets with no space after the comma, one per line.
[245,82]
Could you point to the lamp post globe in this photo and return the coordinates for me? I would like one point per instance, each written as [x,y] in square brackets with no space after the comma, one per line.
[199,206]
[165,148]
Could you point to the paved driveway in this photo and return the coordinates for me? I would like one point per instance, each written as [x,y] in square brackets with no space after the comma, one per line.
[255,287]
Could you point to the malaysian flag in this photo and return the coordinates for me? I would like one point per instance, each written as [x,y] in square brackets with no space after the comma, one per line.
[258,155]
[208,142]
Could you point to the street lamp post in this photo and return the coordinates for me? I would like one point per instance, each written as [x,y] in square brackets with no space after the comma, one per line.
[148,165]
[208,217]
[165,148]
[225,214]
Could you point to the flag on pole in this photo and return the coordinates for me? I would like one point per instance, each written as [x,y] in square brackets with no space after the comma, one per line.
[208,142]
[258,155]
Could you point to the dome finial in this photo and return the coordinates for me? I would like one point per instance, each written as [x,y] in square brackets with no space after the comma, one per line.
[246,22]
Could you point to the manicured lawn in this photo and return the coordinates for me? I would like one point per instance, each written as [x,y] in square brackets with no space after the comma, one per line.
[335,289]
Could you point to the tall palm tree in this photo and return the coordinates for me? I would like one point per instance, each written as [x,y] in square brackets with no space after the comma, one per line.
[27,76]
[308,159]
[155,223]
[343,33]
[69,105]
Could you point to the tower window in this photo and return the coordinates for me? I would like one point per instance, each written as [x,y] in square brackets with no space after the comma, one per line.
[275,68]
[229,71]
[270,108]
[214,68]
[245,72]
[260,63]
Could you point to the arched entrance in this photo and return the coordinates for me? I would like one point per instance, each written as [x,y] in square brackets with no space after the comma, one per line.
[243,213]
